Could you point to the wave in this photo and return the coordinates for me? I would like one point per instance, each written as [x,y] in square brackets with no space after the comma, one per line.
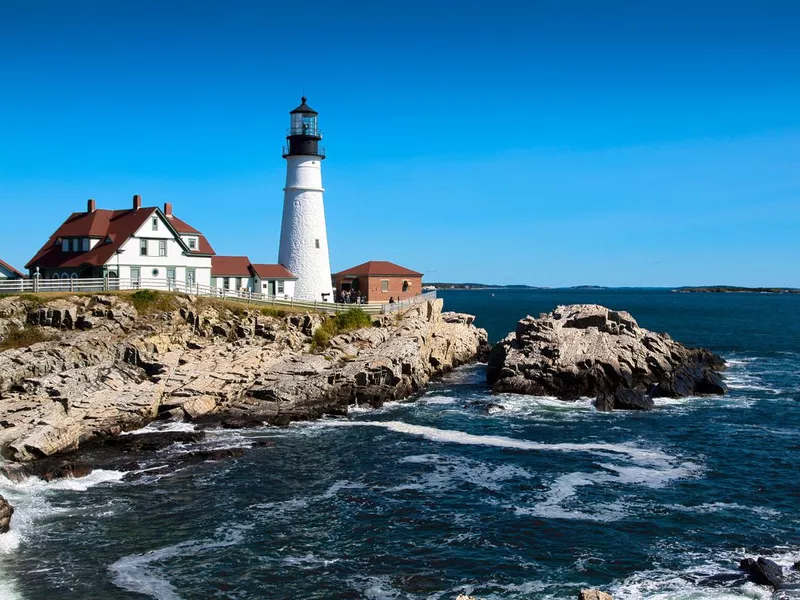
[138,573]
[635,453]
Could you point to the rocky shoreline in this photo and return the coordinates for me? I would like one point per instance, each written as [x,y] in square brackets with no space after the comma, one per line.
[106,367]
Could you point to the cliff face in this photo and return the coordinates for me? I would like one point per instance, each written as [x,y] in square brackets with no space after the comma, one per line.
[110,368]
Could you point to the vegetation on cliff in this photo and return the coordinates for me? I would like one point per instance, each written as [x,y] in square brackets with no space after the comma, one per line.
[355,318]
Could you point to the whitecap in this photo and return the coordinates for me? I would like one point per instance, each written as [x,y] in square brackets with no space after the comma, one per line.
[162,427]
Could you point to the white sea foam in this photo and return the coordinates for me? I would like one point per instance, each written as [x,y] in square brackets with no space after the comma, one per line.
[283,507]
[449,471]
[715,507]
[161,427]
[640,455]
[30,501]
[308,561]
[139,573]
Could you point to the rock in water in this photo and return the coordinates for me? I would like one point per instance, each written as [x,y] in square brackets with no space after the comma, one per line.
[763,571]
[6,510]
[587,350]
[594,595]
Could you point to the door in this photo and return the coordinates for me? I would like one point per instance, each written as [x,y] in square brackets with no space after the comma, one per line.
[136,273]
[170,279]
[271,288]
[190,276]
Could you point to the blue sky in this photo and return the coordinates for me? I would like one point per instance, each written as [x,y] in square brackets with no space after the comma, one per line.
[548,143]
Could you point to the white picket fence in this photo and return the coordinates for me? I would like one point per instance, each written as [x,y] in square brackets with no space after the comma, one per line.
[106,284]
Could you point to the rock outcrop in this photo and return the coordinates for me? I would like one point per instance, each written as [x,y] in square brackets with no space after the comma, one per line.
[588,350]
[6,510]
[593,595]
[763,571]
[111,369]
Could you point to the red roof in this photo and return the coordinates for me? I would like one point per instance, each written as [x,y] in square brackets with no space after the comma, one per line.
[378,268]
[272,272]
[113,227]
[8,267]
[230,266]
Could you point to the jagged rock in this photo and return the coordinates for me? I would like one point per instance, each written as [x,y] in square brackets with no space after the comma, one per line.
[763,571]
[6,510]
[588,350]
[593,595]
[129,369]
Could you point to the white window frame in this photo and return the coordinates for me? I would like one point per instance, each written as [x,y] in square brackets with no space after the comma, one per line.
[192,243]
[162,247]
[279,288]
[155,223]
[384,286]
[143,247]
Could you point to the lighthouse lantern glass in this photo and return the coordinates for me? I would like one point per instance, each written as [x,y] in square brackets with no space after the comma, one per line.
[304,124]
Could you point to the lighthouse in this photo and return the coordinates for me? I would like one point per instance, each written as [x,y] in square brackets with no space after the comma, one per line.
[304,238]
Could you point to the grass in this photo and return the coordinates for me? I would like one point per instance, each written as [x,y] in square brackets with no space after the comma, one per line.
[150,301]
[22,337]
[355,318]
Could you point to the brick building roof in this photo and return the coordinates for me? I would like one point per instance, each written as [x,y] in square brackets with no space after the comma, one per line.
[376,268]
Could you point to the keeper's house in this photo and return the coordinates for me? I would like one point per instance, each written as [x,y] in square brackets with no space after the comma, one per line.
[144,243]
[7,272]
[378,281]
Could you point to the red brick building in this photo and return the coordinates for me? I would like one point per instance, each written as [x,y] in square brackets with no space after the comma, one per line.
[378,281]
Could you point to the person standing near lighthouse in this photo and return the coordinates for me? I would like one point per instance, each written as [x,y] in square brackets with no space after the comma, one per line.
[304,238]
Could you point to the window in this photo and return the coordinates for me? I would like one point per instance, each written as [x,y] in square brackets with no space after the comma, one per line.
[135,275]
[190,276]
[162,247]
[406,286]
[155,223]
[238,283]
[280,286]
[316,243]
[154,272]
[226,283]
[75,244]
[384,285]
[171,276]
[192,243]
[85,244]
[65,245]
[143,247]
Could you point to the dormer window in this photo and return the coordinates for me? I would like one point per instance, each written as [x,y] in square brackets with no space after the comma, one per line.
[155,223]
[75,242]
[65,245]
[108,239]
[192,243]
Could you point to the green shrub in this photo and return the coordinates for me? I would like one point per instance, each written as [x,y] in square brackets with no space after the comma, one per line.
[148,301]
[268,311]
[355,318]
[22,337]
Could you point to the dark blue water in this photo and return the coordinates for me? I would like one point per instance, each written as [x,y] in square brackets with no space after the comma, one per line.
[430,498]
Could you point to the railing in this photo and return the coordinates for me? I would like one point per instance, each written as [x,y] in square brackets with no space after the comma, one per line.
[305,130]
[395,306]
[320,151]
[105,284]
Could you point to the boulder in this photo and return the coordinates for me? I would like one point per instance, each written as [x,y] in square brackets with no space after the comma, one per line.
[6,510]
[587,350]
[763,571]
[593,595]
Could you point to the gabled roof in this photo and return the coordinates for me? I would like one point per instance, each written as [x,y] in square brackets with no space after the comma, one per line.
[112,227]
[8,267]
[230,266]
[272,271]
[379,267]
[182,227]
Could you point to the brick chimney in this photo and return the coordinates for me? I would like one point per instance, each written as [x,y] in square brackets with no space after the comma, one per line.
[91,205]
[137,202]
[168,210]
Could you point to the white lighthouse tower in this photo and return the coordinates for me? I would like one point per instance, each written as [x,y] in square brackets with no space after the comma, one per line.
[304,238]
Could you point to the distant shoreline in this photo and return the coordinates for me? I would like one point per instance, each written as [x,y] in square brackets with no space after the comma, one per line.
[710,289]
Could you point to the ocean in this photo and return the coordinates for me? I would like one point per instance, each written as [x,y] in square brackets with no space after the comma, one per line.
[433,497]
